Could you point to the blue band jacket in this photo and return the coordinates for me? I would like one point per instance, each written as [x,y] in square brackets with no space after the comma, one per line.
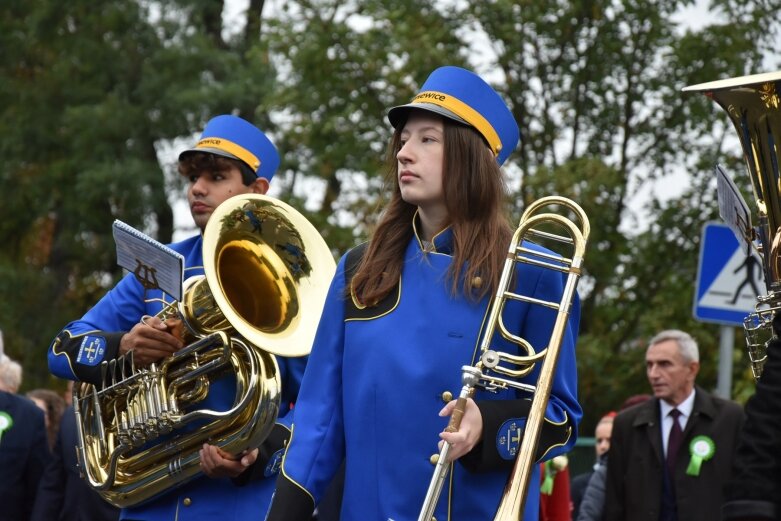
[378,377]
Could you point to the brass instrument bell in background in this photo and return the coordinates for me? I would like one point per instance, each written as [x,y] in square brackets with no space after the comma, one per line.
[753,104]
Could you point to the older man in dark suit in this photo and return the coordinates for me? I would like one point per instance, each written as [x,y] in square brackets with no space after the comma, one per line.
[670,456]
[23,454]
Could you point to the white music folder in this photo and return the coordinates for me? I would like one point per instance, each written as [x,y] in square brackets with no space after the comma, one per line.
[733,209]
[155,265]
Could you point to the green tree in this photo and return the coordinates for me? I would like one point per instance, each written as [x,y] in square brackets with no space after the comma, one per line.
[596,87]
[90,91]
[339,73]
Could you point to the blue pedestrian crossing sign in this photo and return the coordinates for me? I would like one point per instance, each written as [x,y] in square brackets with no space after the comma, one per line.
[728,281]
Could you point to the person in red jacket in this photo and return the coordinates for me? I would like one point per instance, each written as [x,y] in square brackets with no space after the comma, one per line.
[555,502]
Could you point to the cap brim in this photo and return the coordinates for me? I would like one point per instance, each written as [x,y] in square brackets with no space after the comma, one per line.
[209,150]
[398,115]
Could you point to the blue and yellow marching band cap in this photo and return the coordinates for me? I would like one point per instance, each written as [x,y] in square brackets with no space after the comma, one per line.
[463,96]
[235,138]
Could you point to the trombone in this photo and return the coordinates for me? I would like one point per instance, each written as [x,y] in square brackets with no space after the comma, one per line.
[497,370]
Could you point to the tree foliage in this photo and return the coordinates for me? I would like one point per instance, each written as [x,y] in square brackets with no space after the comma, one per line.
[90,89]
[91,92]
[341,73]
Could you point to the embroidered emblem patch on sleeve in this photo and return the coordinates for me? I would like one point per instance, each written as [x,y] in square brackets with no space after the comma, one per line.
[508,438]
[92,350]
[274,462]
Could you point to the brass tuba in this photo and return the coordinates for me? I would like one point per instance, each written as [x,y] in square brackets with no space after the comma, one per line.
[538,223]
[753,104]
[267,272]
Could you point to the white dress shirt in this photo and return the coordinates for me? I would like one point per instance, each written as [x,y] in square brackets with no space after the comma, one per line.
[685,407]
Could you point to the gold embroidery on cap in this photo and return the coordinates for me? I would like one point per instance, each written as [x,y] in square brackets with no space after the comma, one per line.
[465,112]
[231,148]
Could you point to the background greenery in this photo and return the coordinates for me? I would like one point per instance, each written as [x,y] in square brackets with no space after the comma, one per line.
[93,92]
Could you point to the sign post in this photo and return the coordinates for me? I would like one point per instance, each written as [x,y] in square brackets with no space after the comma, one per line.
[728,282]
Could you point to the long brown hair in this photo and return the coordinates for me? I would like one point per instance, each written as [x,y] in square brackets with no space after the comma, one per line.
[474,194]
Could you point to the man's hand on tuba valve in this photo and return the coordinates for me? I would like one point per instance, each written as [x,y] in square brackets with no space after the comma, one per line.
[216,463]
[150,340]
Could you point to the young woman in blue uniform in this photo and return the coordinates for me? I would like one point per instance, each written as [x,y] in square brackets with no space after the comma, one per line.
[404,314]
[232,157]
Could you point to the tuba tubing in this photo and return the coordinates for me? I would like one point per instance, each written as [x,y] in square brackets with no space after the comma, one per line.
[125,476]
[267,273]
[484,374]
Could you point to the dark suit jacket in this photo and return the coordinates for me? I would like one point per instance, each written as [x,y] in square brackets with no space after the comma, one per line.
[636,463]
[576,489]
[63,495]
[754,490]
[23,454]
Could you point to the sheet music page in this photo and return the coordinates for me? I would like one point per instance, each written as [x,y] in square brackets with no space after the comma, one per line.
[733,209]
[154,264]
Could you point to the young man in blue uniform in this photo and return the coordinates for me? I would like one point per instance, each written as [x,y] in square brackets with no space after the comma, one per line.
[405,315]
[232,157]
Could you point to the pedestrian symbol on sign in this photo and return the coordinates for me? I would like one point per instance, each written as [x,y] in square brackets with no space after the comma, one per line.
[728,280]
[750,264]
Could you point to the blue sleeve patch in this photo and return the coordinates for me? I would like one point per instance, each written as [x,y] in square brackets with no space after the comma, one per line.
[508,438]
[92,350]
[274,462]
